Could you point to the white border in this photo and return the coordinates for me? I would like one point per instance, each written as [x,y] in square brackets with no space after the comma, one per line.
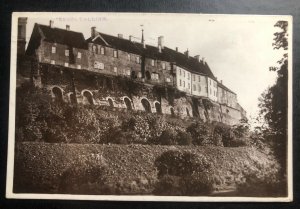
[12,105]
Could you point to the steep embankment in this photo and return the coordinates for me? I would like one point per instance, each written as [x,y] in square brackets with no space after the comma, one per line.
[39,166]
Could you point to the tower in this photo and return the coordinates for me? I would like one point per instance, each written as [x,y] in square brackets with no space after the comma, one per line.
[22,21]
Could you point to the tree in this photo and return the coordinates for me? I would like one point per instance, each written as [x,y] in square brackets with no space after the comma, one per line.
[274,101]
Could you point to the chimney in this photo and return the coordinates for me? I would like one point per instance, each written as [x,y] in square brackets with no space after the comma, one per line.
[203,60]
[22,22]
[130,38]
[93,32]
[187,53]
[160,42]
[67,27]
[197,57]
[120,35]
[51,23]
[176,49]
[221,81]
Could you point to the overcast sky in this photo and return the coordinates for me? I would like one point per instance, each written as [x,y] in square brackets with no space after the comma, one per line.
[238,49]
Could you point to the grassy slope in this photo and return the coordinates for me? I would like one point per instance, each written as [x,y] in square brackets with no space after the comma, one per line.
[42,164]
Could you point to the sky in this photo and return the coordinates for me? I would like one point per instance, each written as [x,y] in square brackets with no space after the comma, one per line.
[238,48]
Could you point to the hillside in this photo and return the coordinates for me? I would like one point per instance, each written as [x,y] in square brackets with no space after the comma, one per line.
[130,167]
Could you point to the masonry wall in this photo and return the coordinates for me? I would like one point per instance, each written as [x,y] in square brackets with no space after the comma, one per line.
[46,55]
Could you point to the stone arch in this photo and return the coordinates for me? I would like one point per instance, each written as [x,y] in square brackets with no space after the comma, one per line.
[172,111]
[146,104]
[127,102]
[72,98]
[57,94]
[158,107]
[148,75]
[87,97]
[110,102]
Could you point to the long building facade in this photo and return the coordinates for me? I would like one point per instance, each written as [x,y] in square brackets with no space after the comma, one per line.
[67,52]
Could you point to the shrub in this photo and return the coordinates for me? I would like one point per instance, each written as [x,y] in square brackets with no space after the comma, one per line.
[184,138]
[201,133]
[86,175]
[182,173]
[167,137]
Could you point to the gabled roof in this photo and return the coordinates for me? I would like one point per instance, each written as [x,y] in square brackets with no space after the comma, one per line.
[224,87]
[167,54]
[55,35]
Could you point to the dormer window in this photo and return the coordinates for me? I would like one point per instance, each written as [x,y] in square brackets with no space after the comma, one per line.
[152,62]
[137,59]
[94,48]
[79,55]
[102,50]
[53,49]
[66,52]
[115,53]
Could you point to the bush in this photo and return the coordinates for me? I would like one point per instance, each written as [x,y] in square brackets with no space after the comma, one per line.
[184,138]
[201,133]
[86,175]
[182,173]
[167,137]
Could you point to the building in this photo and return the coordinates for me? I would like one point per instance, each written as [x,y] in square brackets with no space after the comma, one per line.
[66,52]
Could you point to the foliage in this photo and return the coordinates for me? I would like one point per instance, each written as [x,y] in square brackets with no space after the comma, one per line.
[201,133]
[274,102]
[182,173]
[184,138]
[86,175]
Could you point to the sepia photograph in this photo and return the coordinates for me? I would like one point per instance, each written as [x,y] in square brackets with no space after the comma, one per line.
[150,107]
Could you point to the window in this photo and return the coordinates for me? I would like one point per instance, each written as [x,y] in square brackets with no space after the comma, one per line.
[194,77]
[210,91]
[115,53]
[155,76]
[183,83]
[168,80]
[189,85]
[128,57]
[163,65]
[199,88]
[199,78]
[66,64]
[179,71]
[139,75]
[79,55]
[52,62]
[53,49]
[66,52]
[152,62]
[137,59]
[128,72]
[78,66]
[94,48]
[183,73]
[115,69]
[102,50]
[179,82]
[188,76]
[98,65]
[194,87]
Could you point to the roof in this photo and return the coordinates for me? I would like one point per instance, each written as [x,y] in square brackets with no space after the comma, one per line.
[224,87]
[55,35]
[167,54]
[62,36]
